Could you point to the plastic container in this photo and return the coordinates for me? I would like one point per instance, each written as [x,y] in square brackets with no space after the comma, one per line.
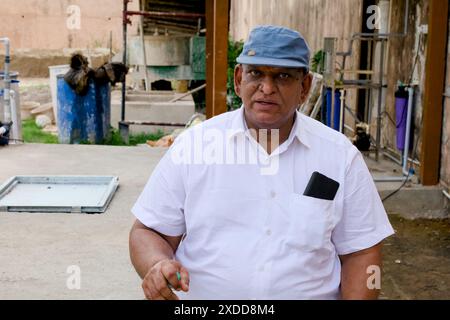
[54,71]
[83,119]
[337,109]
[401,112]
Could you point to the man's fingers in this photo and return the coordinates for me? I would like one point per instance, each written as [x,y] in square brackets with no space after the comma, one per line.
[151,289]
[147,293]
[184,275]
[164,276]
[171,273]
[162,286]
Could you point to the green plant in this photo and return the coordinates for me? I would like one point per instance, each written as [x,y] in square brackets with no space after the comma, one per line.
[116,140]
[318,62]
[234,49]
[33,134]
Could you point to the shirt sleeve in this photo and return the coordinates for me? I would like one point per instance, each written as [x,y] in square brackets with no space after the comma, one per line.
[161,204]
[364,222]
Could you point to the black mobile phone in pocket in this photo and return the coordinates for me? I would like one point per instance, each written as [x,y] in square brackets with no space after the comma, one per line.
[321,187]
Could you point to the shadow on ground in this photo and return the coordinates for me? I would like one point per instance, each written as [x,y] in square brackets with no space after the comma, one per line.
[417,260]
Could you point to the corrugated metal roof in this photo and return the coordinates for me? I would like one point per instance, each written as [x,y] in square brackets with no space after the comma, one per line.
[173,25]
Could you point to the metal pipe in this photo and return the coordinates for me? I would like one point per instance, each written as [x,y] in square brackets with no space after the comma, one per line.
[341,113]
[16,132]
[188,93]
[408,130]
[349,128]
[390,179]
[397,161]
[148,123]
[144,54]
[446,194]
[7,81]
[124,58]
[400,162]
[164,14]
[380,97]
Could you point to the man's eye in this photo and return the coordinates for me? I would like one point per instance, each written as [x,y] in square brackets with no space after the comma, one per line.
[254,73]
[284,76]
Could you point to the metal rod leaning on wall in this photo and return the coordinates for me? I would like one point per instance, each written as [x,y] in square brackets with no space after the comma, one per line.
[188,93]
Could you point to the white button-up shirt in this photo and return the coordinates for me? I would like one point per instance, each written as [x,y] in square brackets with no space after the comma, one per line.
[250,233]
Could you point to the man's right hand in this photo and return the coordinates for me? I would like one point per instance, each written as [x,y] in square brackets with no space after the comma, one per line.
[160,276]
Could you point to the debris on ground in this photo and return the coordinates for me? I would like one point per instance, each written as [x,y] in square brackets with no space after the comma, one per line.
[42,121]
[51,128]
[26,108]
[44,110]
[168,140]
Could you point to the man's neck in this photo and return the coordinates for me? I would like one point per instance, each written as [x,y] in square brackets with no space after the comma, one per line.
[266,140]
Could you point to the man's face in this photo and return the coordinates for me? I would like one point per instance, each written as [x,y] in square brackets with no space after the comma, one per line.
[270,95]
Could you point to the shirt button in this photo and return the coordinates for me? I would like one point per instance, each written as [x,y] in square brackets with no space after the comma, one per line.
[269,232]
[261,269]
[273,194]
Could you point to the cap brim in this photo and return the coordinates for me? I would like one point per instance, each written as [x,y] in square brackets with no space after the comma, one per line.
[262,61]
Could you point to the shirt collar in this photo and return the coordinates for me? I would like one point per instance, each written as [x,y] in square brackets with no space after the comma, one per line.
[299,129]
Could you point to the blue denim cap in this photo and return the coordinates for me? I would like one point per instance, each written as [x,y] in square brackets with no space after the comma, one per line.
[275,47]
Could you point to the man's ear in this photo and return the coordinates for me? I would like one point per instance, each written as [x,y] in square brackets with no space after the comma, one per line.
[238,79]
[306,87]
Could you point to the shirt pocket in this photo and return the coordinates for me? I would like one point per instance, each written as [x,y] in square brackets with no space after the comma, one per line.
[310,222]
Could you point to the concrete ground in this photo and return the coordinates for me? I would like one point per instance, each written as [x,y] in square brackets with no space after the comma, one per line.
[413,200]
[36,249]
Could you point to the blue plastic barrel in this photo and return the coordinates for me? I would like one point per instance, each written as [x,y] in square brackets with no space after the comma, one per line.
[337,109]
[83,119]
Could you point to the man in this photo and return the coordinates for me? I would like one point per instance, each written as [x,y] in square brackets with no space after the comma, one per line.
[212,229]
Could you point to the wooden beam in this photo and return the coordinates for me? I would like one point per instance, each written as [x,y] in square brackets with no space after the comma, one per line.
[434,87]
[217,16]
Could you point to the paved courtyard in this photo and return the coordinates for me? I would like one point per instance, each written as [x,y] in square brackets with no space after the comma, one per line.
[36,249]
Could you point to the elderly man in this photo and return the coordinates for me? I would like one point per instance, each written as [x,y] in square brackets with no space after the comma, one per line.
[213,224]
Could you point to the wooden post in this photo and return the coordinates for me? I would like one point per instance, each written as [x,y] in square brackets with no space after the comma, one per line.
[217,16]
[434,88]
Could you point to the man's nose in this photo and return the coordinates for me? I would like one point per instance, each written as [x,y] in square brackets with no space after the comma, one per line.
[267,85]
